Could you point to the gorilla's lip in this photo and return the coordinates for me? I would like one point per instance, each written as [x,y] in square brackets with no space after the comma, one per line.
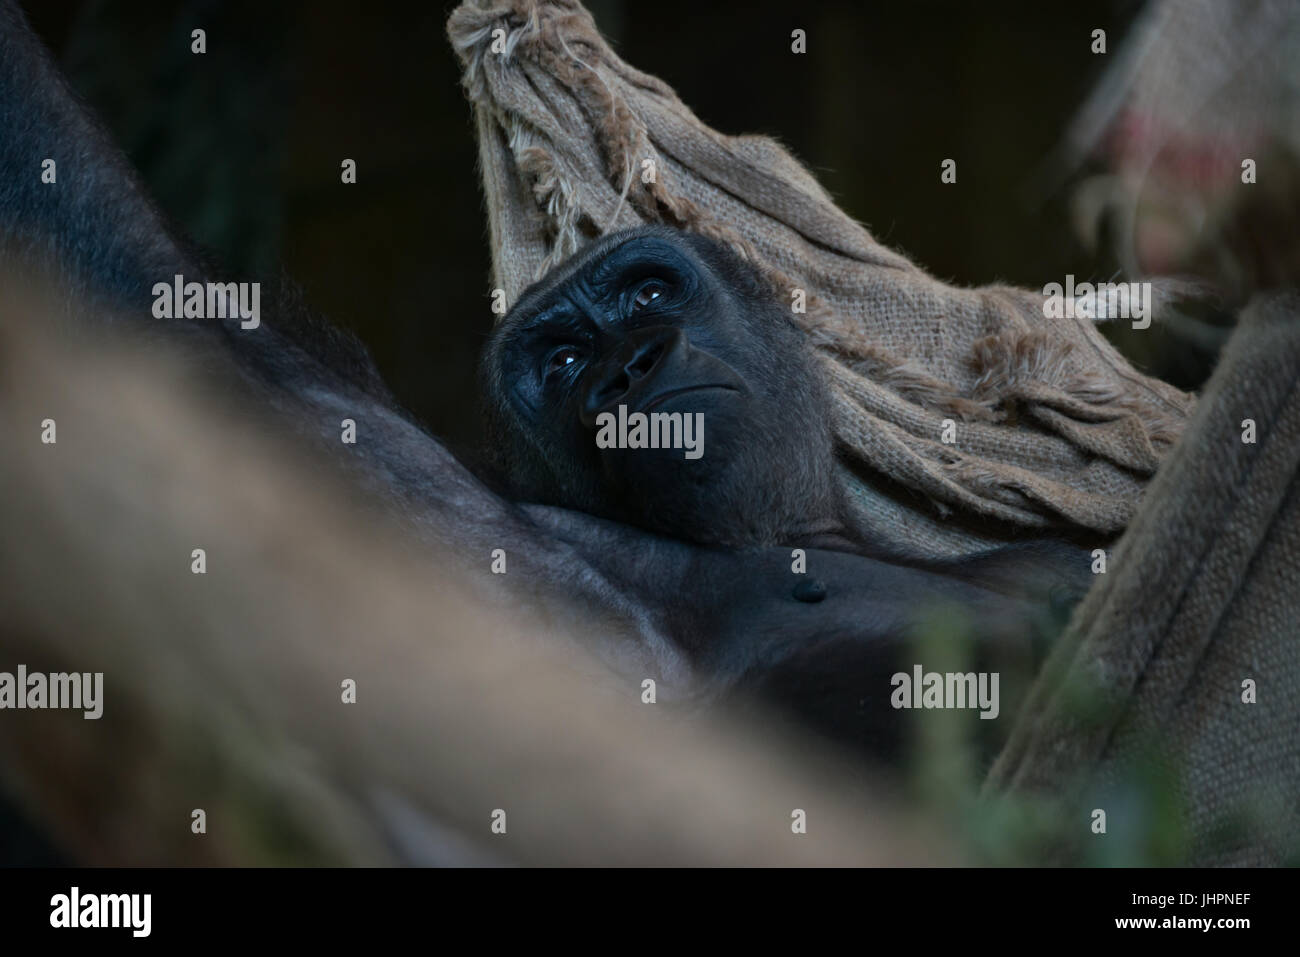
[663,397]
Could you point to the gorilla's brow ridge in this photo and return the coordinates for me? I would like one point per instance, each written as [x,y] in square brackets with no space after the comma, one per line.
[639,251]
[558,315]
[648,254]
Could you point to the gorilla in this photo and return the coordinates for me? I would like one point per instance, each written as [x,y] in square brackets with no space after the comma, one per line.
[656,319]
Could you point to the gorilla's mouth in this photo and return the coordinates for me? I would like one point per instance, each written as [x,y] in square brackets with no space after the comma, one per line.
[664,396]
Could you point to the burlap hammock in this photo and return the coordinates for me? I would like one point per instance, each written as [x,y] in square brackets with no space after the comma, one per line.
[1054,429]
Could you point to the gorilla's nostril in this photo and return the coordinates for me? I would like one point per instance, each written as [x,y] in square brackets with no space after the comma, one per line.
[630,370]
[614,386]
[645,360]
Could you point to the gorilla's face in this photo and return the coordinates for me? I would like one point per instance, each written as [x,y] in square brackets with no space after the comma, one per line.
[677,328]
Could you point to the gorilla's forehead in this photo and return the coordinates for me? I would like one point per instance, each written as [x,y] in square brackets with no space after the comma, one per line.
[595,269]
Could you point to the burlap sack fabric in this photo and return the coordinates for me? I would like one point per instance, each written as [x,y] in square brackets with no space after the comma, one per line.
[1054,428]
[1204,596]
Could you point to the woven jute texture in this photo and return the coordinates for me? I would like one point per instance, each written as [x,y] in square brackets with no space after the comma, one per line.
[1187,652]
[1054,429]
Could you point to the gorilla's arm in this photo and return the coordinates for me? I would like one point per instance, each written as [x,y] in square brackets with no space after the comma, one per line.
[97,226]
[681,610]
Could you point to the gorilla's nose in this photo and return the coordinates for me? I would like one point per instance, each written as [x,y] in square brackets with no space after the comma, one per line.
[636,371]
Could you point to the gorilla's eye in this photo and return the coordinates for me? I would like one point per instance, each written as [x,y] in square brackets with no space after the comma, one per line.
[562,359]
[648,293]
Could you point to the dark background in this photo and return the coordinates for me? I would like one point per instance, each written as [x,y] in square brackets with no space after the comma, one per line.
[243,146]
